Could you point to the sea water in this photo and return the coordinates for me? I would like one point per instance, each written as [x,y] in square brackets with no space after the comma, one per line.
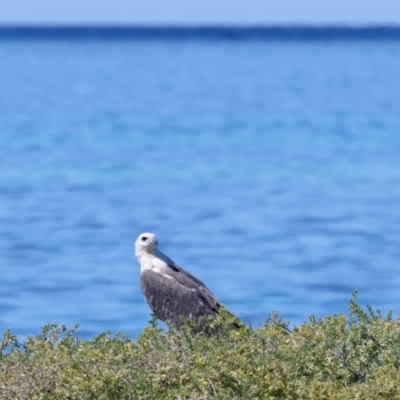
[270,169]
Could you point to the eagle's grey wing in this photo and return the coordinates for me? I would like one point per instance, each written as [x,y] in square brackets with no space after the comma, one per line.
[186,279]
[170,300]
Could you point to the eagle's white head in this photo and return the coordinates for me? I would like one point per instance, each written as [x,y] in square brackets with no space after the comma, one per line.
[145,243]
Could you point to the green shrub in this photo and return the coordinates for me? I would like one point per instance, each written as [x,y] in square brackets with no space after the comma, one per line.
[332,358]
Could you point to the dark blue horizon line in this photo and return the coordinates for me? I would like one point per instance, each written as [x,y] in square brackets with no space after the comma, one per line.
[201,32]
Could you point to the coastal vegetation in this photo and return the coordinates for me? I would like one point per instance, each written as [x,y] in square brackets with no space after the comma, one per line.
[337,357]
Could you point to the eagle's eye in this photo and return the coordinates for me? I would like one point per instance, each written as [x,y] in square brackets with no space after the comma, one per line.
[144,238]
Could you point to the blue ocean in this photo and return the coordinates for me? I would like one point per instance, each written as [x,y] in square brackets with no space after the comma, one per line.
[269,167]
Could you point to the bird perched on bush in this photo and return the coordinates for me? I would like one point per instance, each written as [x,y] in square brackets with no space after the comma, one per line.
[169,290]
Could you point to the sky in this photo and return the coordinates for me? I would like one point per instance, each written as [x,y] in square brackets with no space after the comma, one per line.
[199,12]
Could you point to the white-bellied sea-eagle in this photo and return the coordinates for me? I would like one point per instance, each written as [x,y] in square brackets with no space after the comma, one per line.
[169,290]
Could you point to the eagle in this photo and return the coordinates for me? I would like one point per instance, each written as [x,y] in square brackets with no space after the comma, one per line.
[169,290]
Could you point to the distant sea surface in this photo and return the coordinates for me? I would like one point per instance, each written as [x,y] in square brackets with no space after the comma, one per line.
[268,168]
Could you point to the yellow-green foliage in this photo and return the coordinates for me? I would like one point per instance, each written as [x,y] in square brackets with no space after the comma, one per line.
[335,358]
